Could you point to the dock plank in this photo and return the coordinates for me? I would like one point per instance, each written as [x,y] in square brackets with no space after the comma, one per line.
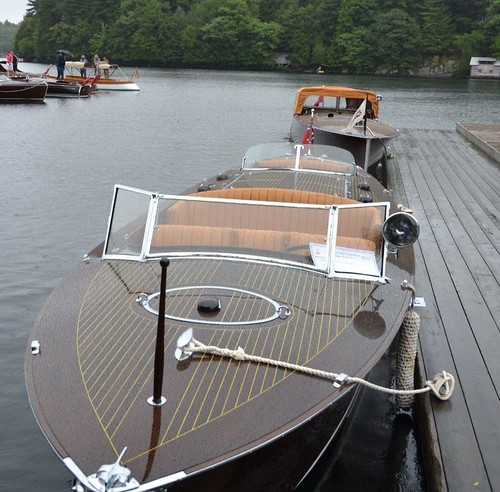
[451,189]
[456,435]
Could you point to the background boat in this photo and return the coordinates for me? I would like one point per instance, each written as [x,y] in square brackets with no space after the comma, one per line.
[22,91]
[345,117]
[56,88]
[66,88]
[116,80]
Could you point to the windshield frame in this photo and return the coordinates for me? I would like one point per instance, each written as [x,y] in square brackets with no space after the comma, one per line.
[298,154]
[151,212]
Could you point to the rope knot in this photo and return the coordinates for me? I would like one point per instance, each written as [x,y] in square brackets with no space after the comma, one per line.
[442,385]
[239,354]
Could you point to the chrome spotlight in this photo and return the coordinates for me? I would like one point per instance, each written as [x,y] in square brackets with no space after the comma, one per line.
[401,230]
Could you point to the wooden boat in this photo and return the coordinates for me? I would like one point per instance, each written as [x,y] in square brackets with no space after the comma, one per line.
[329,110]
[62,88]
[56,88]
[21,91]
[116,80]
[284,257]
[68,89]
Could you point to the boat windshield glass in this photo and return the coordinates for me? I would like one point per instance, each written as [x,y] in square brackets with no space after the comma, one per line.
[311,157]
[128,217]
[339,240]
[337,104]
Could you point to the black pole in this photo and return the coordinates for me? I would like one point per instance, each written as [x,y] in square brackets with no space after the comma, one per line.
[160,336]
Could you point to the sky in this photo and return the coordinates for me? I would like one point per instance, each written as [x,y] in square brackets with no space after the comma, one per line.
[12,10]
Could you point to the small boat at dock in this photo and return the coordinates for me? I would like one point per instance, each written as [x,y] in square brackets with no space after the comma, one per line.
[56,88]
[344,117]
[205,343]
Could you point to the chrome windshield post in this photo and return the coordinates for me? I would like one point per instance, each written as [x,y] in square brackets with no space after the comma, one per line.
[298,148]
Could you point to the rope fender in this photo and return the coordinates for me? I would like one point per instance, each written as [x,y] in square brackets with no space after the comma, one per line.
[407,351]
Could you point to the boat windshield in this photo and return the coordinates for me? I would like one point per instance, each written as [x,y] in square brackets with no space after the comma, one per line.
[338,240]
[304,157]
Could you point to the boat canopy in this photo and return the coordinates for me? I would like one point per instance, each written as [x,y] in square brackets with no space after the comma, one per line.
[74,64]
[343,240]
[78,64]
[337,92]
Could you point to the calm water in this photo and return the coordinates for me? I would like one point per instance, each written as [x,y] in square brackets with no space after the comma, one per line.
[59,163]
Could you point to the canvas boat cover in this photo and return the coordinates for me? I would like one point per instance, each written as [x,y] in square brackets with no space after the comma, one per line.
[334,91]
[77,64]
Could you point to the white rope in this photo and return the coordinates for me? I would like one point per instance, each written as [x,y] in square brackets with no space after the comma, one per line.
[442,384]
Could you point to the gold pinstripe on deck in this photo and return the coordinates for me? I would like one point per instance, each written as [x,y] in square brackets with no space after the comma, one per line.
[116,338]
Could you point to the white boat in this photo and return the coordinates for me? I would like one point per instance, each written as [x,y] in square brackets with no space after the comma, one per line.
[110,77]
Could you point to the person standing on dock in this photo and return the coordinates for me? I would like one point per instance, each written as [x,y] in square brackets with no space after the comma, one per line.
[83,70]
[8,59]
[97,60]
[106,70]
[60,64]
[14,61]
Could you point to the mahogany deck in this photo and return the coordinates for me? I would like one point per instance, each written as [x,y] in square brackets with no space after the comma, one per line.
[454,190]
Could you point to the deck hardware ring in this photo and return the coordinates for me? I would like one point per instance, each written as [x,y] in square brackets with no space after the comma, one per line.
[280,311]
[283,312]
[142,298]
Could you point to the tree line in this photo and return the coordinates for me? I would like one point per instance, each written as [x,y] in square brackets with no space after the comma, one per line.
[355,36]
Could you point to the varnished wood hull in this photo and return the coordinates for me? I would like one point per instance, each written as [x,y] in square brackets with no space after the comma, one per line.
[22,92]
[226,425]
[68,89]
[369,148]
[104,84]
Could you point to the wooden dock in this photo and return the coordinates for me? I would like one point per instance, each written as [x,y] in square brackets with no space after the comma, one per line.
[453,186]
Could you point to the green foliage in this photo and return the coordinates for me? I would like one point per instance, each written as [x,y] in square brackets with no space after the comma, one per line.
[360,36]
[470,44]
[228,35]
[466,13]
[300,32]
[7,35]
[26,38]
[354,51]
[491,27]
[398,40]
[436,28]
